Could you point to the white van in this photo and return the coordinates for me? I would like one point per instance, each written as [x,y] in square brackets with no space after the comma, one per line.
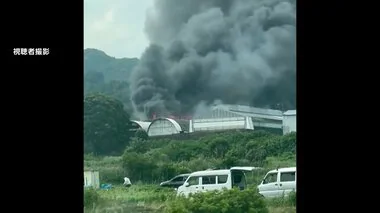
[279,182]
[209,180]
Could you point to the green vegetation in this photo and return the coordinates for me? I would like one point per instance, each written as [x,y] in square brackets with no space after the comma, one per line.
[138,193]
[106,125]
[108,75]
[226,201]
[112,69]
[115,151]
[153,199]
[152,161]
[91,197]
[148,161]
[289,201]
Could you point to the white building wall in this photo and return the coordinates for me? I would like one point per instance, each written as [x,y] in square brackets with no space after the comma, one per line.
[215,124]
[289,124]
[144,125]
[91,178]
[162,127]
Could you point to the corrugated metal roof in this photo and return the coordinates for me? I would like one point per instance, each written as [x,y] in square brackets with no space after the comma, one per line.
[175,124]
[290,112]
[248,111]
[143,124]
[213,124]
[184,124]
[179,125]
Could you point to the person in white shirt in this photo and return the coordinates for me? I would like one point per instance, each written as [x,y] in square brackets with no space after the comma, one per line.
[127,182]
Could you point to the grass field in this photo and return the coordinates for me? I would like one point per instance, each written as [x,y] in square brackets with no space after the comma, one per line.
[152,199]
[138,193]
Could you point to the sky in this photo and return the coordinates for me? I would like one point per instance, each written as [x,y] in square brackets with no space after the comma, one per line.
[116,26]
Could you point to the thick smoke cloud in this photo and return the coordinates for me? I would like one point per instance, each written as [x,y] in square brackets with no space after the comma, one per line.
[238,52]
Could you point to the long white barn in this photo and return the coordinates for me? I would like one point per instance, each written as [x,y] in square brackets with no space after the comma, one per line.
[219,117]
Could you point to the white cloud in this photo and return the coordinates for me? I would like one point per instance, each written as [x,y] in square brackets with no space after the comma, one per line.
[109,16]
[105,21]
[116,26]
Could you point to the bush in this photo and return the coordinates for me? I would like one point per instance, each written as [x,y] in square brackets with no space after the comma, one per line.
[137,193]
[286,159]
[202,163]
[292,198]
[91,197]
[155,160]
[226,201]
[113,175]
[289,200]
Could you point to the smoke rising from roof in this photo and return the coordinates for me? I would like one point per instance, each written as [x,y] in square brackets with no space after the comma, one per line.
[238,52]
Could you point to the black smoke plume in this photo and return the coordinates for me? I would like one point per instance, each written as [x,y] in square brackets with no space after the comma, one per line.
[235,51]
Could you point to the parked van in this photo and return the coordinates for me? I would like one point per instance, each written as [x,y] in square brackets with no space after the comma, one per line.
[279,182]
[209,180]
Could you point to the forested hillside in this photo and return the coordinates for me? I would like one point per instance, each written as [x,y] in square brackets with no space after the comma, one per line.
[108,75]
[112,68]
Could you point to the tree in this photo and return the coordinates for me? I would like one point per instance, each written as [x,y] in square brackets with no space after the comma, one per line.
[138,145]
[93,82]
[106,125]
[218,147]
[141,134]
[138,167]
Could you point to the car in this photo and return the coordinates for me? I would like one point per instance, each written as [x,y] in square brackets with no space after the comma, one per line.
[176,181]
[209,180]
[279,182]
